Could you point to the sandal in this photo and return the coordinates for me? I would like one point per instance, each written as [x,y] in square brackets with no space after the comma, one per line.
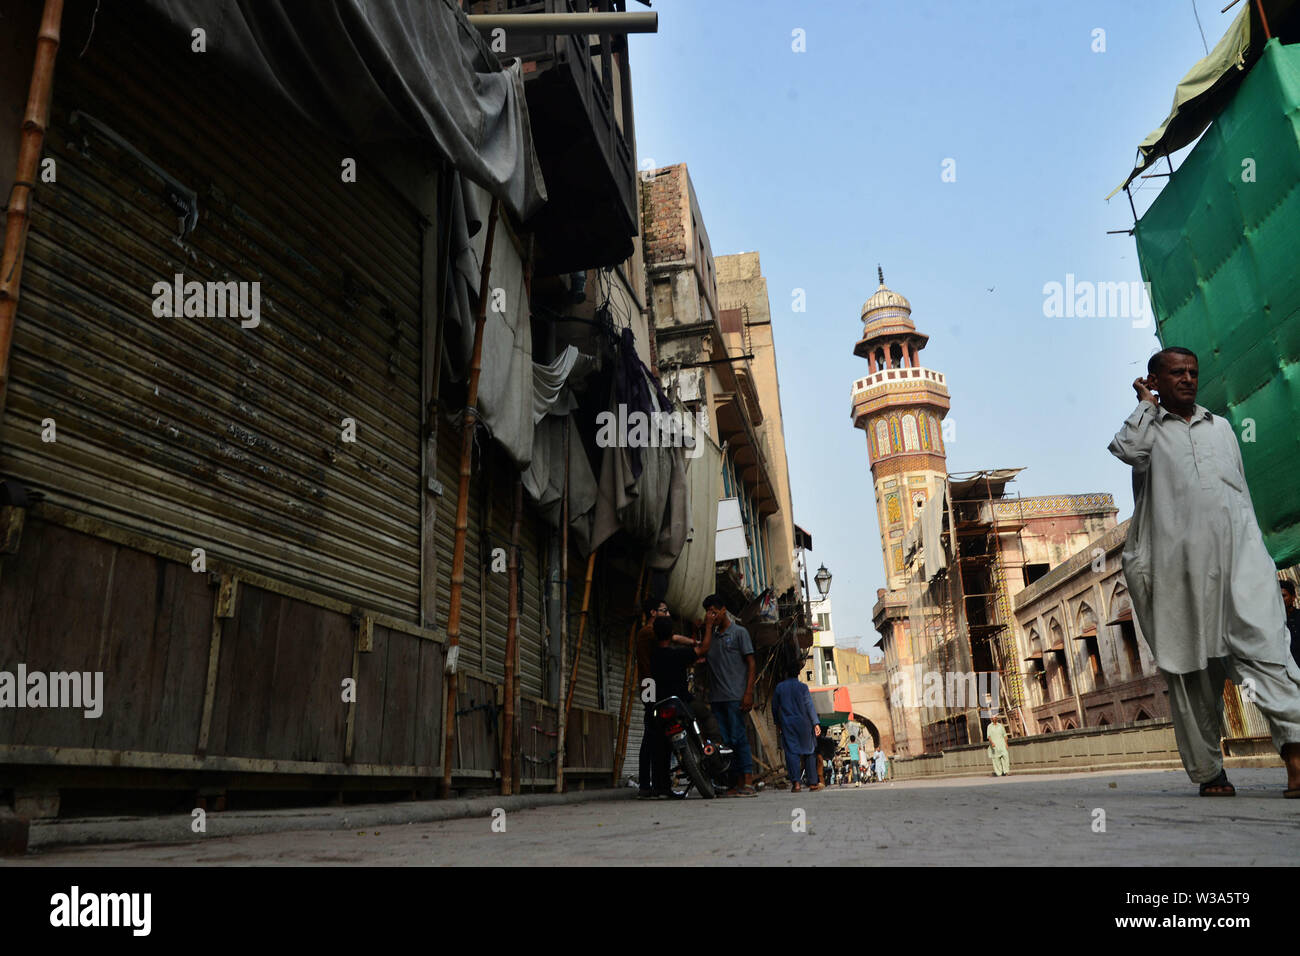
[746,792]
[1218,787]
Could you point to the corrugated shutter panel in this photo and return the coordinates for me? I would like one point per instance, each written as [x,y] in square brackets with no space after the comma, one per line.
[532,638]
[195,430]
[531,554]
[585,693]
[449,442]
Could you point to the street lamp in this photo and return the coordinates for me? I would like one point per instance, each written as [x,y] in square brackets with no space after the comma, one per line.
[823,581]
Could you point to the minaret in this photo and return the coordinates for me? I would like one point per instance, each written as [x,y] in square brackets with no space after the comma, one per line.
[900,405]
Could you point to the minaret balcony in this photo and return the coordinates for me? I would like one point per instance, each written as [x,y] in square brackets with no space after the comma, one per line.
[898,375]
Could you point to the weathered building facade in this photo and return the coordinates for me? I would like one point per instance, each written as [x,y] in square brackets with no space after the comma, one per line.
[258,522]
[1084,661]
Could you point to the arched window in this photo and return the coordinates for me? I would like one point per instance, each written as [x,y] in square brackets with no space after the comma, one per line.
[937,433]
[895,440]
[1087,630]
[925,431]
[882,438]
[910,441]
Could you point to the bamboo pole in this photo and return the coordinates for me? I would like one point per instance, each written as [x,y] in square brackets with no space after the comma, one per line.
[512,647]
[564,608]
[35,120]
[462,504]
[510,735]
[626,705]
[582,627]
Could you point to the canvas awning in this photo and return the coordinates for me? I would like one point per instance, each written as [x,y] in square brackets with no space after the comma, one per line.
[1209,85]
[378,73]
[833,704]
[979,484]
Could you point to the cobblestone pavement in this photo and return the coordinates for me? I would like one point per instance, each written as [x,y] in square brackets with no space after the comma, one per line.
[1151,819]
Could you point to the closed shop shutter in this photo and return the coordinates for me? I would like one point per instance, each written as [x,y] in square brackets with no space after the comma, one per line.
[532,553]
[449,441]
[586,692]
[491,506]
[194,430]
[532,639]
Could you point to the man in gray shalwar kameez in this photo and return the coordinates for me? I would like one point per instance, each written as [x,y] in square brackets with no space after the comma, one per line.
[1203,586]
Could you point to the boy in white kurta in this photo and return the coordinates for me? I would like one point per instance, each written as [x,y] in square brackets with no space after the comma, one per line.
[1203,586]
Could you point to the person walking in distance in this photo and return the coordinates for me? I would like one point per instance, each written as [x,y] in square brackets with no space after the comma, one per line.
[1202,584]
[997,738]
[731,692]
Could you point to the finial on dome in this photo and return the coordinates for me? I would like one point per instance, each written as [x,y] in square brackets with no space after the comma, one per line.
[881,272]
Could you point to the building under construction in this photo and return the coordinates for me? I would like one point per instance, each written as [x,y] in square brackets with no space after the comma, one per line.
[969,552]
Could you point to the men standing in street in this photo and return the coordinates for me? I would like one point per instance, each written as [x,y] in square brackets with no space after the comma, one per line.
[651,610]
[1292,618]
[731,687]
[1203,587]
[671,658]
[997,737]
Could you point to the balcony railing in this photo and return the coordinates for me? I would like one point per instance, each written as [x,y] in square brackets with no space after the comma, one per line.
[900,375]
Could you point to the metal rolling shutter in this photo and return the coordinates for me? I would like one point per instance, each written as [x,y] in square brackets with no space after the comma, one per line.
[449,439]
[585,692]
[195,430]
[531,553]
[532,637]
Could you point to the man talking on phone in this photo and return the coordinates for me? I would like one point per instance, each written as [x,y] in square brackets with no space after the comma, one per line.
[1203,586]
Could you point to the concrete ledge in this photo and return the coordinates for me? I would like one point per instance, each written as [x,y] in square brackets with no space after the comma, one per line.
[1258,762]
[178,828]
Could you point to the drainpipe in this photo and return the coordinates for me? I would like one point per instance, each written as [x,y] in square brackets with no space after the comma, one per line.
[35,120]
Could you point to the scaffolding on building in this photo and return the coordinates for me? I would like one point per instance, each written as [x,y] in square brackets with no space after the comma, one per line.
[959,611]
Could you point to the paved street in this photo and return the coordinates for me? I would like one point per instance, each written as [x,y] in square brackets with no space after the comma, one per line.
[1152,819]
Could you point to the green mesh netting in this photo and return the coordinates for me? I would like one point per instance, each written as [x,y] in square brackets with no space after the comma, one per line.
[1220,248]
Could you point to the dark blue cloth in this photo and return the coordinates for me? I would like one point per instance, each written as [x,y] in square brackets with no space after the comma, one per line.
[731,721]
[802,768]
[794,713]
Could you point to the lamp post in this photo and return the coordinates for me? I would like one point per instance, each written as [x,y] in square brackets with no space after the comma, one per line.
[823,580]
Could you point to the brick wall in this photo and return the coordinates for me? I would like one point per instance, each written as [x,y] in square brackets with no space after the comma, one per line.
[664,212]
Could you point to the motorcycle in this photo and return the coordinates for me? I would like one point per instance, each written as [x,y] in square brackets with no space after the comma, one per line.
[704,762]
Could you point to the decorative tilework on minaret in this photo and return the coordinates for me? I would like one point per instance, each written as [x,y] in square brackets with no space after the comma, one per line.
[900,404]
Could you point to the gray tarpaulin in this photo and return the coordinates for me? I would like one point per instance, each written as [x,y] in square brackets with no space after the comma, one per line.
[506,377]
[639,503]
[553,404]
[694,574]
[383,71]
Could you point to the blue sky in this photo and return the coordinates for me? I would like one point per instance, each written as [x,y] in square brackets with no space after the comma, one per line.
[829,161]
